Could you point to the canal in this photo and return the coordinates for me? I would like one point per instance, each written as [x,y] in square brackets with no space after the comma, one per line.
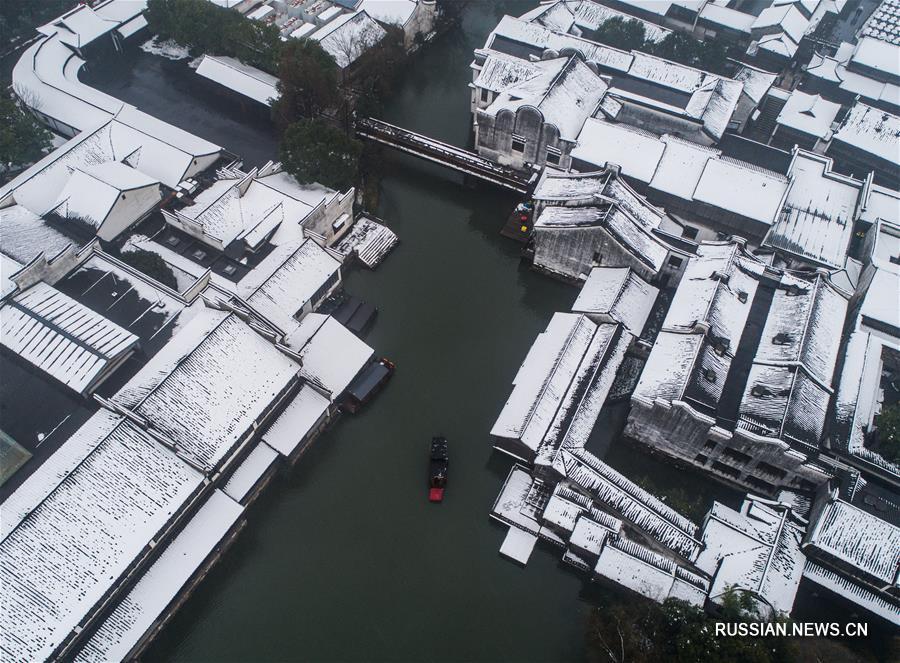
[343,558]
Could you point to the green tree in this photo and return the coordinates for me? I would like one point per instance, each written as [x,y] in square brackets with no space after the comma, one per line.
[150,264]
[308,82]
[22,139]
[709,55]
[312,150]
[646,632]
[207,28]
[887,423]
[622,33]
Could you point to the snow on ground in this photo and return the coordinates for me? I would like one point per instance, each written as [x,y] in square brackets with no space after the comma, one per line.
[167,49]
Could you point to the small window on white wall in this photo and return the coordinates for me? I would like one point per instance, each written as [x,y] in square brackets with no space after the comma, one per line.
[518,143]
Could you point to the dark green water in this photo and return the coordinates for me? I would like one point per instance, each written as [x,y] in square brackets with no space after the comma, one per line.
[343,558]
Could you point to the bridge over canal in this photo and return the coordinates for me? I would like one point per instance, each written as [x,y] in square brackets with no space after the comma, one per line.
[447,155]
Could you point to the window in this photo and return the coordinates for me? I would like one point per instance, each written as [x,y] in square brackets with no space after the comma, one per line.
[553,157]
[737,456]
[764,486]
[229,269]
[675,261]
[701,459]
[710,375]
[781,338]
[709,445]
[690,232]
[172,241]
[199,254]
[771,469]
[518,143]
[724,469]
[742,297]
[485,94]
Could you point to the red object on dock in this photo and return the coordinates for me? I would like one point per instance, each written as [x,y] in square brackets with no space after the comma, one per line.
[436,495]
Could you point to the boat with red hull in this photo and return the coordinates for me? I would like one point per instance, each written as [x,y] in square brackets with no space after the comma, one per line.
[437,469]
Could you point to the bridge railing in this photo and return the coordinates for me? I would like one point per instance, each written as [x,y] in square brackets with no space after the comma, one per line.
[390,133]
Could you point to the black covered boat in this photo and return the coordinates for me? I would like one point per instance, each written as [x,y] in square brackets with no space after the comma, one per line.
[437,469]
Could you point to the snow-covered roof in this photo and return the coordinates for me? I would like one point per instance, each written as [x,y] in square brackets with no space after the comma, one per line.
[250,471]
[566,92]
[877,54]
[331,355]
[305,30]
[627,500]
[392,12]
[878,603]
[80,27]
[871,130]
[755,549]
[648,573]
[804,326]
[302,274]
[856,401]
[348,36]
[881,203]
[261,12]
[209,385]
[151,149]
[637,152]
[809,114]
[300,416]
[501,71]
[741,188]
[159,586]
[585,396]
[554,15]
[521,38]
[859,540]
[729,18]
[243,206]
[47,73]
[711,99]
[684,169]
[61,337]
[779,44]
[816,221]
[546,374]
[785,18]
[784,402]
[691,357]
[681,166]
[588,535]
[561,233]
[8,267]
[93,191]
[591,15]
[25,235]
[107,493]
[243,79]
[560,186]
[789,386]
[835,70]
[132,26]
[757,82]
[619,294]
